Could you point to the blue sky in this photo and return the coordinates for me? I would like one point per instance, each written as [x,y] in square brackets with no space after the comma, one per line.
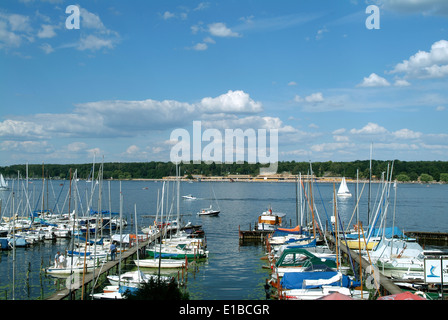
[135,71]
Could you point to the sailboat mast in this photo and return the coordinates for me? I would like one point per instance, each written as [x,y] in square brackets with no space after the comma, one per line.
[312,201]
[336,227]
[161,230]
[370,190]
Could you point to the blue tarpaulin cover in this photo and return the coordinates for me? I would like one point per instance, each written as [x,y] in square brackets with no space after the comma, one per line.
[294,280]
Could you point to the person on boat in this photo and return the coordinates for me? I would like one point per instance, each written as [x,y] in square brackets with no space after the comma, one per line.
[56,258]
[61,261]
[113,251]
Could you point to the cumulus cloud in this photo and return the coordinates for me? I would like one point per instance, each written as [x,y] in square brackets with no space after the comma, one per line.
[231,102]
[315,97]
[126,118]
[220,29]
[47,31]
[424,64]
[370,128]
[15,29]
[312,98]
[19,129]
[374,80]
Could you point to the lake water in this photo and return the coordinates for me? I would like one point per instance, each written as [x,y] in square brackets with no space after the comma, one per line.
[232,271]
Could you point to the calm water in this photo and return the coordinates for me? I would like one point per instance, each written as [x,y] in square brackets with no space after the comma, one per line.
[232,272]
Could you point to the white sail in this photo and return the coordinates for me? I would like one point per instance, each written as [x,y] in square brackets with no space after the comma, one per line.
[3,183]
[343,189]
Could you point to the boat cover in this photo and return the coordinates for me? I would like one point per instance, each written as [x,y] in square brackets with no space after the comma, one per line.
[377,232]
[315,279]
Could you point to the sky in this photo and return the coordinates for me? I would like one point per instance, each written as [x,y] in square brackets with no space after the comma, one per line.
[334,79]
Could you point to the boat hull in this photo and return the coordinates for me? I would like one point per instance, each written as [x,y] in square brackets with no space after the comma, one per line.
[164,263]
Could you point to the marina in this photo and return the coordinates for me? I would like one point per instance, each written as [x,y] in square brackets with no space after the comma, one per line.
[234,240]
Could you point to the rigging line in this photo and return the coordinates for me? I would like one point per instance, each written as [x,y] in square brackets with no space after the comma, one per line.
[346,242]
[370,261]
[309,205]
[357,203]
[323,205]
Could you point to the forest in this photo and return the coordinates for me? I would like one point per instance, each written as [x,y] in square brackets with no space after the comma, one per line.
[405,171]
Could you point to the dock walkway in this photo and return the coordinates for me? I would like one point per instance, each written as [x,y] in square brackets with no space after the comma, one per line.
[85,286]
[385,285]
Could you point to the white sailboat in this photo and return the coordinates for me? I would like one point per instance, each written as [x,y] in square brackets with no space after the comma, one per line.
[343,189]
[3,183]
[208,212]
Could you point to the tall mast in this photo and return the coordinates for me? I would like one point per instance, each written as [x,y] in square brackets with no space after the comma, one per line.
[370,191]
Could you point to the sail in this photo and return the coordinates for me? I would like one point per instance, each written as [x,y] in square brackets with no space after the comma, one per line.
[343,189]
[3,183]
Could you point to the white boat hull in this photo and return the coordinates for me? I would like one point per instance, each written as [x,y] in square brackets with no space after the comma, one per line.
[164,263]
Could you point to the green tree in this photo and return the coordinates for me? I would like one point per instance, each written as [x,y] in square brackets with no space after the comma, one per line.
[402,177]
[424,177]
[157,290]
[444,177]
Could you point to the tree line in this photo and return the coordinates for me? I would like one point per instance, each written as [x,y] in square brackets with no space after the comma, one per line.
[401,170]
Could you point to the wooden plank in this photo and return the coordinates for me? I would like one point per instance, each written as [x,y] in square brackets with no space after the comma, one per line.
[92,276]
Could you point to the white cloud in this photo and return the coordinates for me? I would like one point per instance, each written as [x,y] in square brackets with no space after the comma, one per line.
[406,134]
[132,150]
[47,48]
[92,42]
[127,118]
[25,146]
[14,30]
[370,128]
[17,129]
[298,98]
[91,20]
[374,80]
[167,15]
[202,6]
[233,101]
[440,108]
[219,29]
[200,46]
[315,97]
[47,31]
[76,146]
[332,146]
[401,83]
[423,64]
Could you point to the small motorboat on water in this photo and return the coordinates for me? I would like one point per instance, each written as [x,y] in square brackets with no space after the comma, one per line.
[208,212]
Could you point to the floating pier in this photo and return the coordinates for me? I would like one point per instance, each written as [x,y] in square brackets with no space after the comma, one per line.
[81,289]
[429,238]
[253,235]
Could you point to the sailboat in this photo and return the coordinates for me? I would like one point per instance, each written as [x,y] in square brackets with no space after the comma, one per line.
[210,211]
[343,189]
[3,184]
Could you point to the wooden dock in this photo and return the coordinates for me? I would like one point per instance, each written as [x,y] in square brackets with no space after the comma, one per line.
[81,289]
[386,286]
[253,235]
[429,238]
